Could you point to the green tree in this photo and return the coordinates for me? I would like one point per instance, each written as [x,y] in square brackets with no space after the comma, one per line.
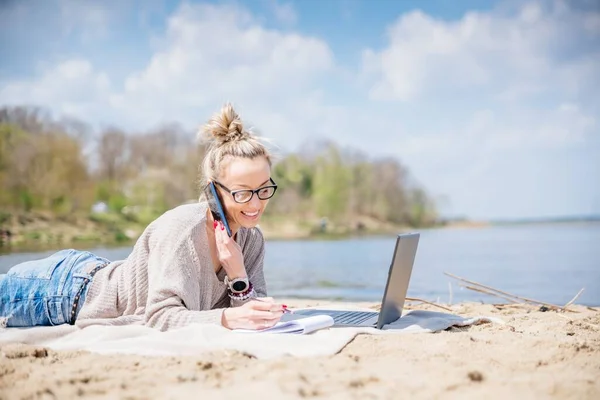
[11,137]
[331,184]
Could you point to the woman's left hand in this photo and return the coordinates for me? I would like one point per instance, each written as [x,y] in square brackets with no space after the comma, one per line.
[229,252]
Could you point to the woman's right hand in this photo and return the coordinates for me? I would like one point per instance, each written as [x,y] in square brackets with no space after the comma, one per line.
[254,314]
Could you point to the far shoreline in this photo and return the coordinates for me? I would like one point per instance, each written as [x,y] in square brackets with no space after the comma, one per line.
[30,243]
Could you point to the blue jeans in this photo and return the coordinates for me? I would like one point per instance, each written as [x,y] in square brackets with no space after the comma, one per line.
[44,292]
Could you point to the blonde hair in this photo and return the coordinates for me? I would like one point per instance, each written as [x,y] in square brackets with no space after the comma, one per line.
[227,138]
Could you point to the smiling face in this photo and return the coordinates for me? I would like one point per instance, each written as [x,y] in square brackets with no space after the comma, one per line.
[244,173]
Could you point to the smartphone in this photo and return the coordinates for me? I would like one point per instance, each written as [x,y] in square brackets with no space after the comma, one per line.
[214,202]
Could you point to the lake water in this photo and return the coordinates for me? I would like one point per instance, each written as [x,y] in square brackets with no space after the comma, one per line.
[550,263]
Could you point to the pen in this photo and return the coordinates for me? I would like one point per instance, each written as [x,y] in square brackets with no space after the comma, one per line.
[283,306]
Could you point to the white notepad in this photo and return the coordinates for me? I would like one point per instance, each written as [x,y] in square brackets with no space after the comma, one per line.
[298,326]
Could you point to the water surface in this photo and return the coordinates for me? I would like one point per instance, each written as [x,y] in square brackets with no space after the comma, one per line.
[550,263]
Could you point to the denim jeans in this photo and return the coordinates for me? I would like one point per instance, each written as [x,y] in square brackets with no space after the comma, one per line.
[43,292]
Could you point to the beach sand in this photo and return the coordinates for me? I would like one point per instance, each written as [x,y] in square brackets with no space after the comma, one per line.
[535,355]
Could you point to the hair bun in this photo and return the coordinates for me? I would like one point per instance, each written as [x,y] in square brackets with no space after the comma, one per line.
[225,126]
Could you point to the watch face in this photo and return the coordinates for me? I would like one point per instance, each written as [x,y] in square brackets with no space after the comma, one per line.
[239,286]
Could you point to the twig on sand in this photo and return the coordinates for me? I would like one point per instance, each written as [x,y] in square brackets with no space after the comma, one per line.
[428,302]
[574,298]
[513,305]
[505,295]
[489,288]
[480,290]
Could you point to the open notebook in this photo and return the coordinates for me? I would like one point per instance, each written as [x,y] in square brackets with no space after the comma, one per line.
[299,326]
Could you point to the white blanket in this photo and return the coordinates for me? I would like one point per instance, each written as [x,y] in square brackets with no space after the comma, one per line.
[195,339]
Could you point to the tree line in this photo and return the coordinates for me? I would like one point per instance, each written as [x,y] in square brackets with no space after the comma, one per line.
[65,167]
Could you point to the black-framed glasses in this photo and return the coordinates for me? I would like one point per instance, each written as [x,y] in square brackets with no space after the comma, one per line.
[245,195]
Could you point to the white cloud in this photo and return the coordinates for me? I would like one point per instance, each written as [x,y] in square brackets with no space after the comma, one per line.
[487,134]
[213,54]
[209,55]
[507,54]
[69,88]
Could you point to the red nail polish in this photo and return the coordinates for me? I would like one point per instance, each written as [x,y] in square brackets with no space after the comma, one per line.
[215,223]
[284,306]
[222,227]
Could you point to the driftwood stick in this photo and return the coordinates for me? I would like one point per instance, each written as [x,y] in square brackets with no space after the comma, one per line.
[480,290]
[514,305]
[491,288]
[549,305]
[574,298]
[428,302]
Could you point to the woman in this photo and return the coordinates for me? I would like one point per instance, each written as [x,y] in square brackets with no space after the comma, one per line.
[183,269]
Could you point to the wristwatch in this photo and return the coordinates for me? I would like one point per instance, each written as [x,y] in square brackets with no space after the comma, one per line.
[237,285]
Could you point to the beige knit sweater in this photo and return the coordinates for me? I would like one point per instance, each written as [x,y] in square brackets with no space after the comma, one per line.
[168,280]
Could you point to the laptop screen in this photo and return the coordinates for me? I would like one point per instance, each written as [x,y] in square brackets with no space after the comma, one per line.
[398,278]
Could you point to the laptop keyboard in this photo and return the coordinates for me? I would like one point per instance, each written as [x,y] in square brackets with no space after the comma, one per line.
[353,317]
[342,317]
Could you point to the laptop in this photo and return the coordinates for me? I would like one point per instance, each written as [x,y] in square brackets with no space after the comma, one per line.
[393,297]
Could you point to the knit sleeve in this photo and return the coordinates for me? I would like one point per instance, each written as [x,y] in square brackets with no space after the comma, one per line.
[174,286]
[253,261]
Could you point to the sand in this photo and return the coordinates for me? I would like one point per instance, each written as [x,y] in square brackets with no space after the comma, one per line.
[535,355]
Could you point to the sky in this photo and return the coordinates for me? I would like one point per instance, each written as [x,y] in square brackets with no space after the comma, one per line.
[493,106]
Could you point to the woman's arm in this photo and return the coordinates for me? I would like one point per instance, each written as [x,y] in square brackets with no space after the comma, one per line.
[254,250]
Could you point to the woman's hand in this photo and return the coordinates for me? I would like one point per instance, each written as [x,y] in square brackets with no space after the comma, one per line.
[254,315]
[229,252]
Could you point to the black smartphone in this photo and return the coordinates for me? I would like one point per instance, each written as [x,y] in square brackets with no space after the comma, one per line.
[214,202]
